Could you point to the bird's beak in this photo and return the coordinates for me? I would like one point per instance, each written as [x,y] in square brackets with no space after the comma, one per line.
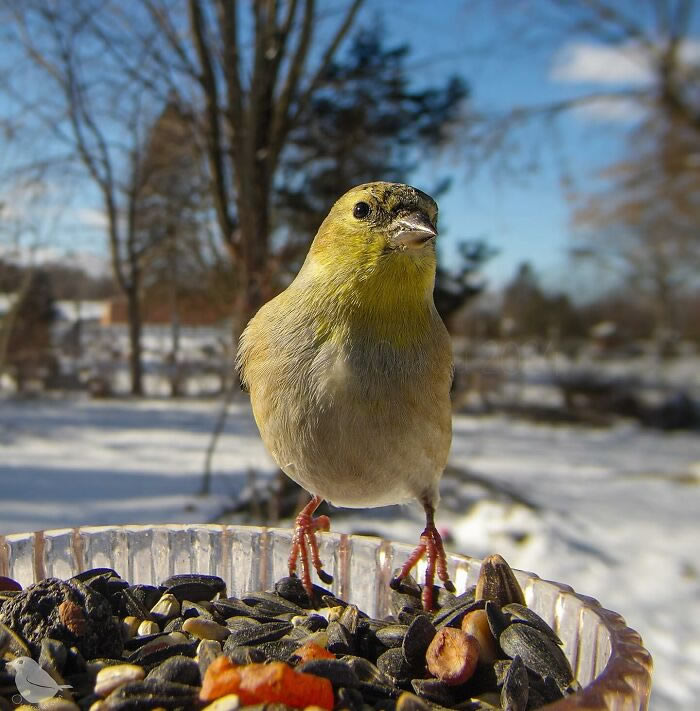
[412,230]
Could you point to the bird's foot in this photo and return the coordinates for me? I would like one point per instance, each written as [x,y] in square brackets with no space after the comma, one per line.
[430,546]
[305,545]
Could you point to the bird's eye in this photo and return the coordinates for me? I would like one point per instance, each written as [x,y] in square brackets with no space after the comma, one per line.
[361,210]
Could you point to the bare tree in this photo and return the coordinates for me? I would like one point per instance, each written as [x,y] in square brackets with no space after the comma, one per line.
[654,36]
[643,223]
[640,218]
[254,73]
[254,89]
[86,102]
[643,220]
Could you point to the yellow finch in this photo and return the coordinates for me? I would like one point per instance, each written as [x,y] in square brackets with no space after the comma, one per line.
[349,370]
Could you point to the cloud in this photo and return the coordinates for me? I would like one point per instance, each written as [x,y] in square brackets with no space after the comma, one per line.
[89,217]
[628,63]
[612,67]
[607,109]
[601,64]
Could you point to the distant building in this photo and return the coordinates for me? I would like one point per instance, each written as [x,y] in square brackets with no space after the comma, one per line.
[191,311]
[81,310]
[187,339]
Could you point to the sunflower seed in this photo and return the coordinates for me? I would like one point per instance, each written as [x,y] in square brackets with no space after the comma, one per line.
[178,668]
[418,636]
[336,670]
[538,652]
[257,634]
[514,694]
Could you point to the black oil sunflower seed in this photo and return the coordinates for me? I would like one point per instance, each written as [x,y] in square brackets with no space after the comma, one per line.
[257,634]
[379,665]
[538,652]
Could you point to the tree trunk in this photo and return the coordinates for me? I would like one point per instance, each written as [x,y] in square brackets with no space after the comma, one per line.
[256,282]
[133,306]
[173,360]
[175,376]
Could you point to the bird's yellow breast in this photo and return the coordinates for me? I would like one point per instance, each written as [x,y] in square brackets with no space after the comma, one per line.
[386,299]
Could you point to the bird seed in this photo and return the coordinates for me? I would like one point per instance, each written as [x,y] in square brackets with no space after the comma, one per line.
[185,644]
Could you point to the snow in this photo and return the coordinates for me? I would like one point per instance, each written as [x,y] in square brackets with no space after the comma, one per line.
[6,302]
[85,310]
[75,461]
[613,512]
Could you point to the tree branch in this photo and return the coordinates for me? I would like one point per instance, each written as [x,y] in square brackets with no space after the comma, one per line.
[231,63]
[607,13]
[215,149]
[327,58]
[162,20]
[281,118]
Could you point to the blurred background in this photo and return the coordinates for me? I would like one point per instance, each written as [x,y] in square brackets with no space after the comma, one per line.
[164,165]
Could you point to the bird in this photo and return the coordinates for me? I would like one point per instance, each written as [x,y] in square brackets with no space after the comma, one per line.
[34,683]
[349,371]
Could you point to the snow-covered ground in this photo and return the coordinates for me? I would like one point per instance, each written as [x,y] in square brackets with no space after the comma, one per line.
[613,512]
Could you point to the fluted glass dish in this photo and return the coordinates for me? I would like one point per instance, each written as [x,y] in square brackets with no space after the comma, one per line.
[607,657]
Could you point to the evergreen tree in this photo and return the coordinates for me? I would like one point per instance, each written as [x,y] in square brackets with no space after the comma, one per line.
[29,349]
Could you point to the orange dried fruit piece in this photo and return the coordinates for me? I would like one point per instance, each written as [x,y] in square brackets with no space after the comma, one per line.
[452,656]
[279,682]
[274,682]
[310,651]
[222,678]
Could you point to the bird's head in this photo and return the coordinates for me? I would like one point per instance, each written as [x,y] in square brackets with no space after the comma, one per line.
[20,663]
[384,230]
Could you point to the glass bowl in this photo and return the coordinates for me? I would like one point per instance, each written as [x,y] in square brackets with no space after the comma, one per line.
[607,657]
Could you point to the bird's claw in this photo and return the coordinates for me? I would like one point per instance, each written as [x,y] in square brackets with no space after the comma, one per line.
[327,578]
[431,546]
[305,545]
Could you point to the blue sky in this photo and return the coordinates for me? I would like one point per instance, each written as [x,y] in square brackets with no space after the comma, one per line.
[526,217]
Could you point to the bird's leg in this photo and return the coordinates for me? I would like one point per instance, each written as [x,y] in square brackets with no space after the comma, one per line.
[304,540]
[430,545]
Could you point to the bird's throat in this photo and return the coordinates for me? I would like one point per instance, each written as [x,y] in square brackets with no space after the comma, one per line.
[392,304]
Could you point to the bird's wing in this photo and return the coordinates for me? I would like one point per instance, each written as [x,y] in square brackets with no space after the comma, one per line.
[239,373]
[244,348]
[240,362]
[38,677]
